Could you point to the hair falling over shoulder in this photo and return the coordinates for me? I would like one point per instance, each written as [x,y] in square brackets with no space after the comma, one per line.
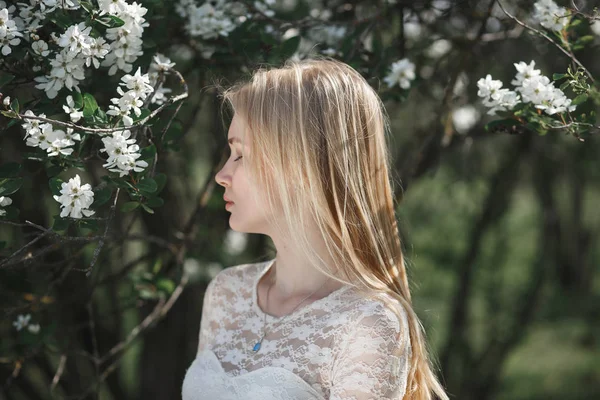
[318,127]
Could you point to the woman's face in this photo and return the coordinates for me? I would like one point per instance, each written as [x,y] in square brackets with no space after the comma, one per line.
[248,214]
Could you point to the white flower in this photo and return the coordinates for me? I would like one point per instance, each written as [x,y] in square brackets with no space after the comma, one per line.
[402,73]
[4,201]
[9,33]
[75,198]
[524,71]
[208,22]
[161,63]
[122,153]
[22,321]
[76,38]
[494,97]
[40,48]
[138,83]
[34,328]
[98,49]
[6,101]
[550,15]
[75,114]
[126,42]
[32,126]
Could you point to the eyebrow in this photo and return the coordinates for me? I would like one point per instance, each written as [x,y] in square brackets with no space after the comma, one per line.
[234,139]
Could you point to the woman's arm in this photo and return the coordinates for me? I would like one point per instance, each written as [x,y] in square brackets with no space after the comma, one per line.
[374,360]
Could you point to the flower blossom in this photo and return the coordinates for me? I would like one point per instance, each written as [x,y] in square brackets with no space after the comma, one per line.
[75,198]
[550,15]
[139,88]
[402,73]
[206,21]
[123,153]
[9,33]
[538,89]
[22,321]
[44,136]
[159,65]
[494,96]
[126,41]
[4,201]
[75,113]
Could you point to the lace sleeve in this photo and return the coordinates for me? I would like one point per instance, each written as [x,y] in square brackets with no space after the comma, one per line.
[373,362]
[207,305]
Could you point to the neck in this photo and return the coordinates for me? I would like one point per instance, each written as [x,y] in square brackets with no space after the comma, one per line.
[290,278]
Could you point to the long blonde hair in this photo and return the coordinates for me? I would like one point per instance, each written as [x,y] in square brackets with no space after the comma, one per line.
[319,128]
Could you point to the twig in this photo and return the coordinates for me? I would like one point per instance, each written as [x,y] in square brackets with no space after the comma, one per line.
[59,372]
[103,238]
[567,53]
[6,260]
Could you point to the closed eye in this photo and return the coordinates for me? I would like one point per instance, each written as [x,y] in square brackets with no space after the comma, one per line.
[237,158]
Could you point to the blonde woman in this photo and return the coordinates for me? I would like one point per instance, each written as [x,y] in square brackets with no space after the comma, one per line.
[330,316]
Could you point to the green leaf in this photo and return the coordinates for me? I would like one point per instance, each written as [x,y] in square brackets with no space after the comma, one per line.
[161,181]
[54,170]
[147,209]
[60,224]
[10,170]
[155,202]
[89,105]
[580,99]
[10,186]
[147,185]
[5,78]
[100,116]
[87,6]
[148,152]
[130,206]
[55,186]
[110,21]
[557,77]
[10,114]
[165,285]
[77,99]
[14,105]
[101,196]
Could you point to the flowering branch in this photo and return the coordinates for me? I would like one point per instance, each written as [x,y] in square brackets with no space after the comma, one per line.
[168,102]
[567,53]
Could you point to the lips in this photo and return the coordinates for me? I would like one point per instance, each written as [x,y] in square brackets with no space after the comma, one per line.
[227,200]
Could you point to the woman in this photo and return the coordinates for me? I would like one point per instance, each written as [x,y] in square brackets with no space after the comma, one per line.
[330,316]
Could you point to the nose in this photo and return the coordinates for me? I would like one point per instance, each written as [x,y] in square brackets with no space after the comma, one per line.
[222,177]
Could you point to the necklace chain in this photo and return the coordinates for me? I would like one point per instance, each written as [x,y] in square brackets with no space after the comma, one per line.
[259,343]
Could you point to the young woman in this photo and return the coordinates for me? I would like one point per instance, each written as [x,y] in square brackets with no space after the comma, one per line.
[330,316]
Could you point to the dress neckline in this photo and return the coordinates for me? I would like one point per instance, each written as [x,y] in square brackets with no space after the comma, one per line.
[259,311]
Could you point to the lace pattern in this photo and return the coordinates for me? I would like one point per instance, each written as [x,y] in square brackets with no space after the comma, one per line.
[344,346]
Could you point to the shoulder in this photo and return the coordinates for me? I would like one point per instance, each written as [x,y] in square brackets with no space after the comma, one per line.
[236,278]
[373,316]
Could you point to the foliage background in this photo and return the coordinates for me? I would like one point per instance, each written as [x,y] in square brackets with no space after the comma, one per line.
[500,230]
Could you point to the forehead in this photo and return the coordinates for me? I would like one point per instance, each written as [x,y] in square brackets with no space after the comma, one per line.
[237,131]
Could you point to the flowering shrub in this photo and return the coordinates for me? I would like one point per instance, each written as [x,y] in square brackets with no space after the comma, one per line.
[92,90]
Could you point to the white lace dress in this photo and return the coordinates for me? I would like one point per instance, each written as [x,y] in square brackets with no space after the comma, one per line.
[343,346]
